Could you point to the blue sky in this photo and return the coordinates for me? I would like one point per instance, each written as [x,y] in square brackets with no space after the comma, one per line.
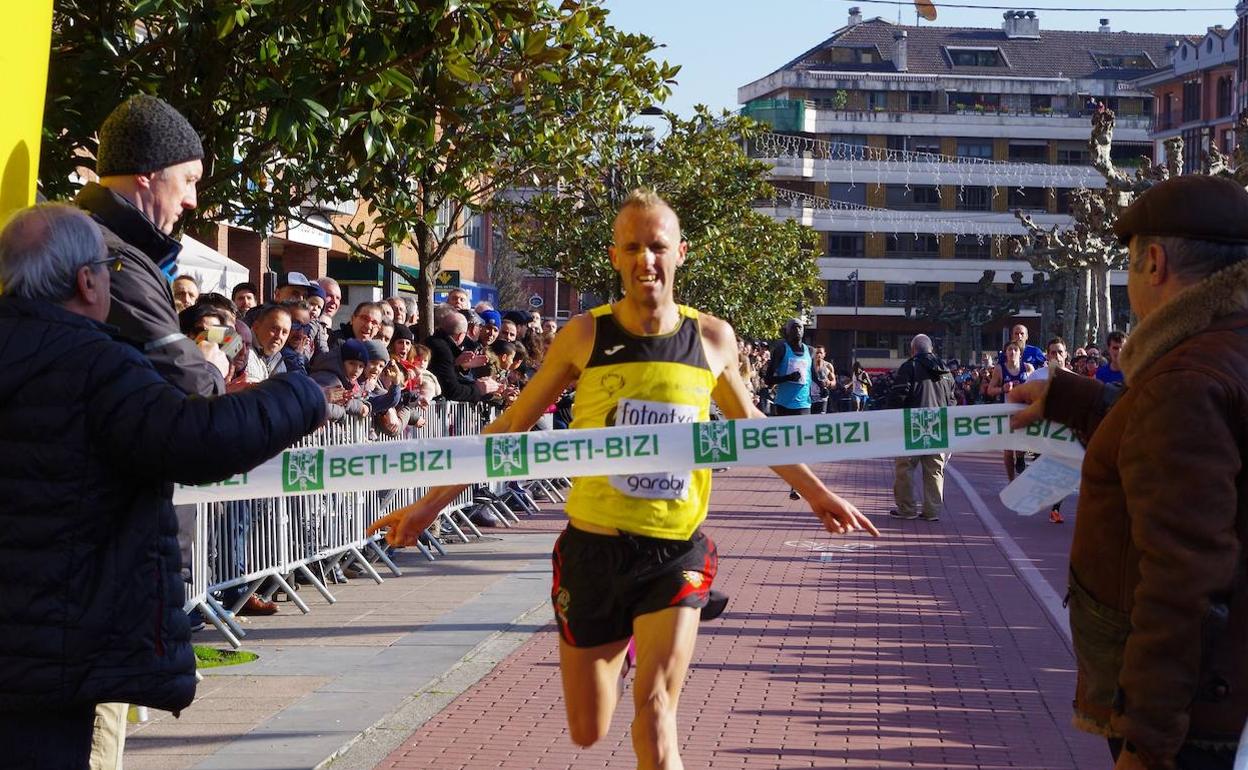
[724,44]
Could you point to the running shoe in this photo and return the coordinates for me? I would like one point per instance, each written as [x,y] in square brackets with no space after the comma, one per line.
[896,514]
[715,606]
[1055,516]
[793,495]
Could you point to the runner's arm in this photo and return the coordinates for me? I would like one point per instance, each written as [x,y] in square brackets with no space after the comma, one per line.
[839,516]
[562,364]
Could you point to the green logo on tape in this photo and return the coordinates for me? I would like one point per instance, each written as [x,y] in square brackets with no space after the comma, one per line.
[927,428]
[303,470]
[506,456]
[715,442]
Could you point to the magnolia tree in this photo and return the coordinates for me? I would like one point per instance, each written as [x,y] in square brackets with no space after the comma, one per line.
[1081,257]
[423,110]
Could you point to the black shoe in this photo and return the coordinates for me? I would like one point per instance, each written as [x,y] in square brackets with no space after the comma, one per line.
[484,517]
[896,514]
[715,605]
[793,495]
[1020,463]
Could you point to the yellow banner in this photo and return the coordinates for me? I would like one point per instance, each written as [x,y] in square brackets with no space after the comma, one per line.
[25,38]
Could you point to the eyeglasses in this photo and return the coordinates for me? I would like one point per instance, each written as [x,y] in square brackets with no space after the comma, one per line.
[114,263]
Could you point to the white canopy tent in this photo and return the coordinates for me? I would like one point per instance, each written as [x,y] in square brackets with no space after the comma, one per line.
[213,270]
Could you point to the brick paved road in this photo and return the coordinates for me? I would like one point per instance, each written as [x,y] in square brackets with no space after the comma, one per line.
[922,649]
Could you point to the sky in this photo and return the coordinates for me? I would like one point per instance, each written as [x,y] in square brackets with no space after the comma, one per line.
[724,44]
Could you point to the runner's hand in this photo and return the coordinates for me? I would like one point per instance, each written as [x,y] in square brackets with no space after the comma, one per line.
[403,526]
[839,516]
[1033,394]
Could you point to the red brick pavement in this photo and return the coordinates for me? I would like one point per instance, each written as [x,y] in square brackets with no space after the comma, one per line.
[921,650]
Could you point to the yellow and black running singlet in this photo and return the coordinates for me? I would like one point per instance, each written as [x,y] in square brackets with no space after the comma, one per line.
[632,380]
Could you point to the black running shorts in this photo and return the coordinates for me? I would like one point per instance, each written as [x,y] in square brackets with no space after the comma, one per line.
[602,582]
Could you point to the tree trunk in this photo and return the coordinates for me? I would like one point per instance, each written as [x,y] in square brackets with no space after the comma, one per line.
[426,250]
[1070,310]
[1106,321]
[1082,298]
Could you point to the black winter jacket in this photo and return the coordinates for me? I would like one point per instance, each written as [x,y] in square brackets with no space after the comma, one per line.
[91,439]
[142,298]
[922,381]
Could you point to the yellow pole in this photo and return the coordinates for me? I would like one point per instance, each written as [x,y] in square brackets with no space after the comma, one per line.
[25,39]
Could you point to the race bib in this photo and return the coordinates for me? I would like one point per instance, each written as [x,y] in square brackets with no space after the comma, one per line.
[799,365]
[653,486]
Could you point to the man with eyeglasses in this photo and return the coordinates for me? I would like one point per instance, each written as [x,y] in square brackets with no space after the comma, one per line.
[149,161]
[92,439]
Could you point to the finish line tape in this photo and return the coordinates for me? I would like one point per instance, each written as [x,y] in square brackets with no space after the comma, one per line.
[666,447]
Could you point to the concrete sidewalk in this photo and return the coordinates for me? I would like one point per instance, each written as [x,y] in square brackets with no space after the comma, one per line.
[324,678]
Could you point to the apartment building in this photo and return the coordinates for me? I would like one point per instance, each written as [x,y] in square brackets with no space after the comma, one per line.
[908,148]
[1195,94]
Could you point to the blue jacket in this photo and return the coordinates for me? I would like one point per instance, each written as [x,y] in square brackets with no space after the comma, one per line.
[91,440]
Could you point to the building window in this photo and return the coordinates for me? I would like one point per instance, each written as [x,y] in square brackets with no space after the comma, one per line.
[1127,154]
[909,246]
[1073,154]
[972,247]
[919,197]
[845,245]
[1065,199]
[1029,198]
[844,191]
[975,57]
[974,102]
[925,293]
[877,100]
[1224,96]
[1191,100]
[927,144]
[975,148]
[1166,116]
[897,293]
[1029,153]
[854,55]
[841,293]
[975,199]
[1130,61]
[921,101]
[472,230]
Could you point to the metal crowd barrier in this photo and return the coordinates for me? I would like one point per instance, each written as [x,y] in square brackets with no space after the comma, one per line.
[260,546]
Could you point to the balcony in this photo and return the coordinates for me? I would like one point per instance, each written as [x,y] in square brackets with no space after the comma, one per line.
[826,215]
[816,160]
[970,123]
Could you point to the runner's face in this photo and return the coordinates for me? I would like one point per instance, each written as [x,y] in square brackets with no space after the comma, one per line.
[1019,334]
[646,253]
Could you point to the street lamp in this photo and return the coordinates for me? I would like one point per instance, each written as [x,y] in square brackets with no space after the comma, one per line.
[853,353]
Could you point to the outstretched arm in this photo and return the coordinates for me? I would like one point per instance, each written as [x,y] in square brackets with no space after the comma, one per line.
[562,364]
[839,516]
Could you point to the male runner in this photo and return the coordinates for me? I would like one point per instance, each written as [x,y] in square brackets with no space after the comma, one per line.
[632,561]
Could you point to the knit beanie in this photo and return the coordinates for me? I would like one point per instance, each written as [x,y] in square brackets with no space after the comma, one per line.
[354,350]
[377,350]
[144,134]
[401,332]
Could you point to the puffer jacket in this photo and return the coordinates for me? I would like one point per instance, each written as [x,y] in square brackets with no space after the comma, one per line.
[326,370]
[1159,574]
[91,440]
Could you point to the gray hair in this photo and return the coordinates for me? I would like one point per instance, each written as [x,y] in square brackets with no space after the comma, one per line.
[453,322]
[921,343]
[412,308]
[1193,259]
[42,248]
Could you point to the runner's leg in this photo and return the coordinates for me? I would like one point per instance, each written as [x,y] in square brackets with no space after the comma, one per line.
[665,641]
[591,687]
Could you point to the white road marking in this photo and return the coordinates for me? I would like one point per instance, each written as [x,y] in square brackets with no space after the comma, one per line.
[1022,565]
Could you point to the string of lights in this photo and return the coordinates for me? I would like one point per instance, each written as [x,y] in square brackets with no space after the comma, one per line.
[977,6]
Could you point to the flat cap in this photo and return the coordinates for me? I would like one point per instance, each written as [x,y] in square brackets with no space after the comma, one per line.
[1195,206]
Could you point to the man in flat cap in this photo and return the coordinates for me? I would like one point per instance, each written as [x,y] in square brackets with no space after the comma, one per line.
[149,161]
[1158,591]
